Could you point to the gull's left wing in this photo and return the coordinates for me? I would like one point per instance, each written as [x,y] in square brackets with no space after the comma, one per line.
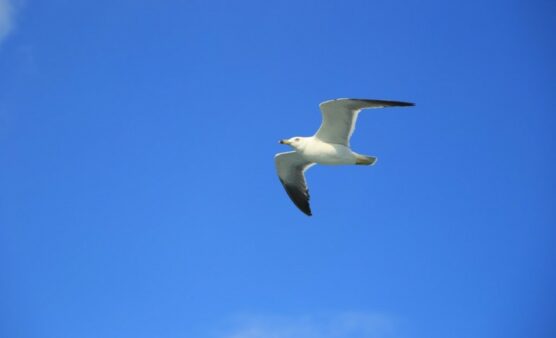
[339,117]
[291,168]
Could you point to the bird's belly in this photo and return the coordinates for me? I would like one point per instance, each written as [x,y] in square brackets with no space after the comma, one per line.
[329,154]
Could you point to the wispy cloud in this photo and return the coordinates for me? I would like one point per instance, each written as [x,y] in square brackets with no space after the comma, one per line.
[6,18]
[343,325]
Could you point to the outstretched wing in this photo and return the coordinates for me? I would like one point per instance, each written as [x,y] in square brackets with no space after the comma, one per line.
[291,168]
[339,117]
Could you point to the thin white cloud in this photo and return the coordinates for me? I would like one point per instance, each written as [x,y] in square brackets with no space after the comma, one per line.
[6,18]
[343,325]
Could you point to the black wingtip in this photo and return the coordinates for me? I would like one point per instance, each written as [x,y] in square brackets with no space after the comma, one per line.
[384,103]
[304,209]
[399,104]
[299,198]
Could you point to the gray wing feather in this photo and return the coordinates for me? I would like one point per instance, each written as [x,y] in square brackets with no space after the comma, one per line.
[339,117]
[291,168]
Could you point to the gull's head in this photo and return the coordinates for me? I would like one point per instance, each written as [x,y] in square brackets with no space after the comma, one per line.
[296,142]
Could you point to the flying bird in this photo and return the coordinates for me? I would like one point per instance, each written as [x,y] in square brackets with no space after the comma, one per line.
[329,146]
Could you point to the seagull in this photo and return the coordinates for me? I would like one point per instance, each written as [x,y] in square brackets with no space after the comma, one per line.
[329,146]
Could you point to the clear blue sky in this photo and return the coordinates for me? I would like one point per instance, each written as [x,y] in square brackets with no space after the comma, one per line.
[138,195]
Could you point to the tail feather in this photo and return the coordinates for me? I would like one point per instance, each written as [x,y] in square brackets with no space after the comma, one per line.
[365,160]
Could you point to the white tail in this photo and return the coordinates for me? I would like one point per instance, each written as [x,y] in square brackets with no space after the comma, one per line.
[365,160]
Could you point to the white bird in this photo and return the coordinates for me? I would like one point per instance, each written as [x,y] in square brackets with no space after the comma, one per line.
[330,145]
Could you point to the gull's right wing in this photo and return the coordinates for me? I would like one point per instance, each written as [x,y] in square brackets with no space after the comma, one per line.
[291,168]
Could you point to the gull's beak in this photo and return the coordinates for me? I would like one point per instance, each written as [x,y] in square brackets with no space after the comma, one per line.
[284,142]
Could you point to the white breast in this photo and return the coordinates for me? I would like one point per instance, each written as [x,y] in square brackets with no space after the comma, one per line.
[327,153]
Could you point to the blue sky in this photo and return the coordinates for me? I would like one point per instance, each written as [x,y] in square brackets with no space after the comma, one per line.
[138,195]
